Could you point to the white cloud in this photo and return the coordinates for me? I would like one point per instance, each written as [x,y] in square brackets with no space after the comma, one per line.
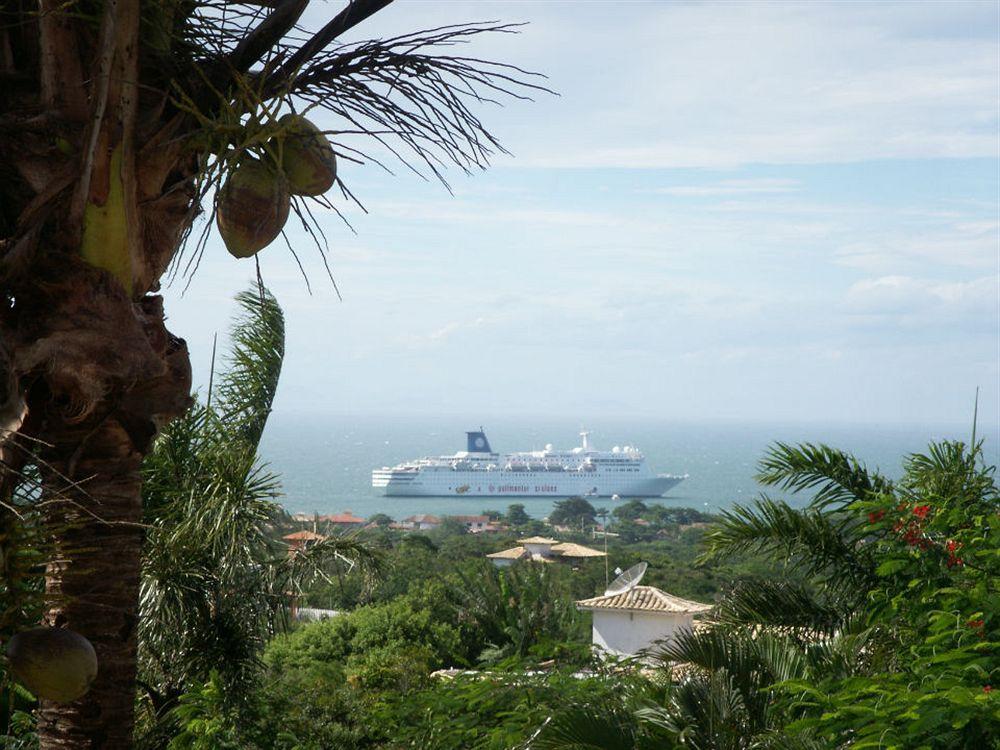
[664,85]
[964,244]
[904,295]
[766,186]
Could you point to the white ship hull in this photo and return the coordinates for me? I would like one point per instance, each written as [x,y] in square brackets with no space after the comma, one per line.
[479,472]
[517,484]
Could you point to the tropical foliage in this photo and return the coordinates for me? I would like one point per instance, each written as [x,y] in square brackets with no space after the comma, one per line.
[216,583]
[882,631]
[574,511]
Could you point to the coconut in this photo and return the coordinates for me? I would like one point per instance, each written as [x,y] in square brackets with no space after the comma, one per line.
[53,663]
[251,208]
[307,157]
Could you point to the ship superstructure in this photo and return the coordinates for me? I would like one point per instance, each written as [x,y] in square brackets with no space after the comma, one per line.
[480,472]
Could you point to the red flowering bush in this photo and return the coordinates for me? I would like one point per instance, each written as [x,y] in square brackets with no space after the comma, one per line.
[932,622]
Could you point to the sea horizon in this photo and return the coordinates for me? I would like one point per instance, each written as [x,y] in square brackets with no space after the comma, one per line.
[325,460]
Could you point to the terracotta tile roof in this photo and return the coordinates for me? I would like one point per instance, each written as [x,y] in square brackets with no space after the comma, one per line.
[644,599]
[537,540]
[569,549]
[423,518]
[303,536]
[514,553]
[342,518]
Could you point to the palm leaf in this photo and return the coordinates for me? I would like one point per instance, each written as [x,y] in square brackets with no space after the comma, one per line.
[706,712]
[589,728]
[247,387]
[819,543]
[789,606]
[839,477]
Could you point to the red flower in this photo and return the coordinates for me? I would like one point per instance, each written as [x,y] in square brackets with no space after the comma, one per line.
[921,511]
[978,626]
[875,516]
[953,561]
[952,545]
[987,688]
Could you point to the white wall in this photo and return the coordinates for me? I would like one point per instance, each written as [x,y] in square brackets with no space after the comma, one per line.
[627,633]
[538,549]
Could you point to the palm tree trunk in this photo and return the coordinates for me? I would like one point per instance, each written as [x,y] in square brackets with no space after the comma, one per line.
[93,582]
[91,474]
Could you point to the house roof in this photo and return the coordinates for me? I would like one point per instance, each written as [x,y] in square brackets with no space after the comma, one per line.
[490,527]
[569,549]
[423,518]
[537,540]
[342,518]
[644,599]
[558,549]
[472,519]
[304,536]
[514,553]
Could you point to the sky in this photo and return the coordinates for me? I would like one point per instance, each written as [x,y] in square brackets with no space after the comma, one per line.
[773,211]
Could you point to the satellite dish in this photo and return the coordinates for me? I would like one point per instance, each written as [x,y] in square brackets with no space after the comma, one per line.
[627,580]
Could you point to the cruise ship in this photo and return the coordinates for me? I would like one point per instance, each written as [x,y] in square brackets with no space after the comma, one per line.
[479,472]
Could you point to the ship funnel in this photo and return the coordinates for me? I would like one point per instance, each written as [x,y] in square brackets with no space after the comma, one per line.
[477,442]
[586,442]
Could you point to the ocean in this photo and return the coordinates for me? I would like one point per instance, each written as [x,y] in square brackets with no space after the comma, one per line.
[325,462]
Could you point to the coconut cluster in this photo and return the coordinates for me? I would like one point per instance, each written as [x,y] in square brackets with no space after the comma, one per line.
[55,664]
[252,206]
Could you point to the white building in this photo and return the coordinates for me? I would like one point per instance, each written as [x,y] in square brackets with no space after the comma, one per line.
[632,621]
[474,524]
[421,522]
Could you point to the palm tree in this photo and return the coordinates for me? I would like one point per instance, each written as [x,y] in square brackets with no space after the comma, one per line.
[829,567]
[215,582]
[118,118]
[514,609]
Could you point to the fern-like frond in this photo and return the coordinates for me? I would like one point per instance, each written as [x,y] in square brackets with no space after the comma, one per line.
[789,606]
[838,477]
[819,543]
[247,387]
[589,728]
[705,712]
[752,661]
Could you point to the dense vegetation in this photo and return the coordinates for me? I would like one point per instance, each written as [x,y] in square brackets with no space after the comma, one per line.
[883,633]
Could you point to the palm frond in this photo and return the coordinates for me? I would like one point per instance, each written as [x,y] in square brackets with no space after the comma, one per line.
[840,478]
[408,91]
[247,387]
[949,470]
[788,606]
[752,662]
[706,712]
[589,728]
[821,544]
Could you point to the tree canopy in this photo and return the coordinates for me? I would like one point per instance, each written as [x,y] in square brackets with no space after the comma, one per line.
[573,511]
